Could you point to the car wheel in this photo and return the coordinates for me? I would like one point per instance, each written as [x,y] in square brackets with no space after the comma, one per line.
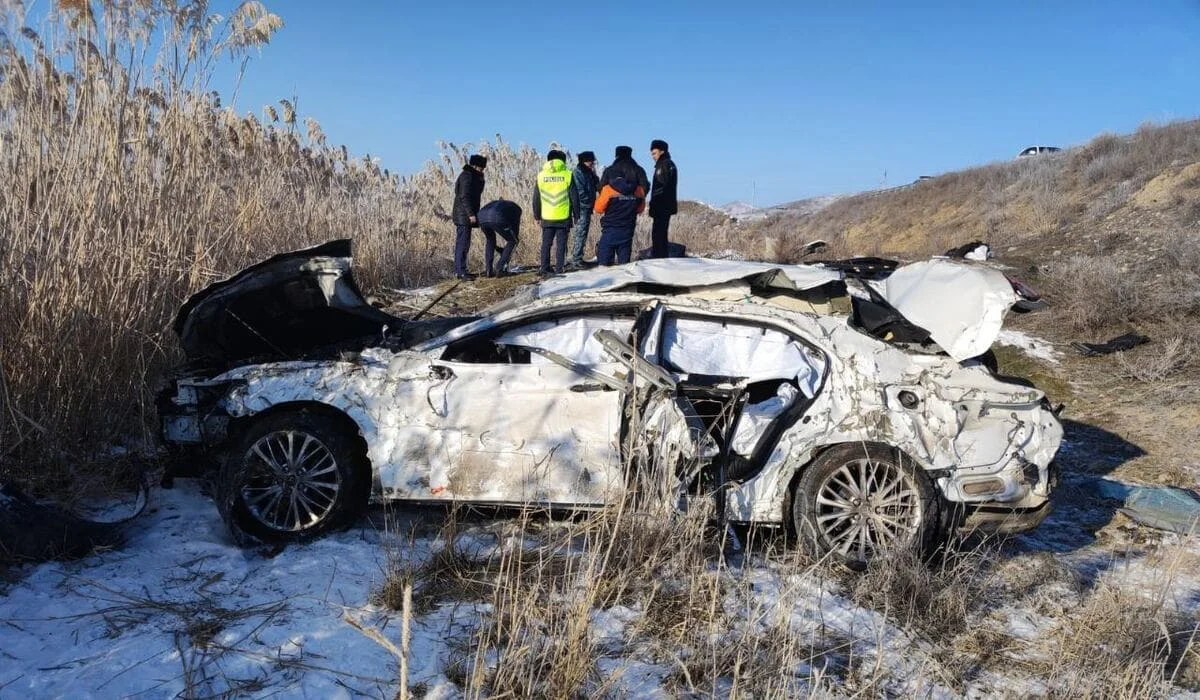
[292,476]
[857,501]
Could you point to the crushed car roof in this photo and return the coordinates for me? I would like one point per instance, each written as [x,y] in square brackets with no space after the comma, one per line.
[960,305]
[293,302]
[687,272]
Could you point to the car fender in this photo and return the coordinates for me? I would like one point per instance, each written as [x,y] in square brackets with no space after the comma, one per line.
[363,390]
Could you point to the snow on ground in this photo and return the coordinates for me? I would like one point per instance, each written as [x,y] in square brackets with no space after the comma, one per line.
[135,621]
[1031,345]
[121,623]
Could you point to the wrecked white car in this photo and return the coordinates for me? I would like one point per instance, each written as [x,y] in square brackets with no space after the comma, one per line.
[848,405]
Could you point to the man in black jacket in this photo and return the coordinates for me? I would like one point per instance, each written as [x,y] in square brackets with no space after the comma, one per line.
[468,192]
[625,166]
[502,218]
[663,200]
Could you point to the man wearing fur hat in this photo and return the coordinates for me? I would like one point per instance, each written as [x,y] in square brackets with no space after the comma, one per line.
[468,192]
[586,184]
[555,207]
[663,201]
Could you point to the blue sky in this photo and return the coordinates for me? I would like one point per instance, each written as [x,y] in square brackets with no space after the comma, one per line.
[773,101]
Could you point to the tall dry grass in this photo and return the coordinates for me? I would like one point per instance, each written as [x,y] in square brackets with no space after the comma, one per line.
[571,608]
[627,602]
[126,185]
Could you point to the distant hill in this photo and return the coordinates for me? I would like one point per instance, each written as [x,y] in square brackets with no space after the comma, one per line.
[1107,193]
[744,211]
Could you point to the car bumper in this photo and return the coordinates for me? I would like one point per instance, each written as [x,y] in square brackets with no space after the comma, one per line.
[998,520]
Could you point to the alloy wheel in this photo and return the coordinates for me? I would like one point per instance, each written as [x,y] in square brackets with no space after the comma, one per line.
[867,506]
[292,481]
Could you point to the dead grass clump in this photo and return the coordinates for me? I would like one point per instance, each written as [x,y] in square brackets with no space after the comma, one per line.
[934,598]
[538,592]
[1099,293]
[1020,576]
[1091,293]
[1158,361]
[1120,644]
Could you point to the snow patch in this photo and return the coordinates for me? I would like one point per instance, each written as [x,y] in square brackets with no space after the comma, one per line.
[1033,346]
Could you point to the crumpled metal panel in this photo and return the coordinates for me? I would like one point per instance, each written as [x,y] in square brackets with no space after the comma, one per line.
[961,305]
[430,436]
[676,272]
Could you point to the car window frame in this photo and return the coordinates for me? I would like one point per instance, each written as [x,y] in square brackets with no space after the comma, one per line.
[654,334]
[439,347]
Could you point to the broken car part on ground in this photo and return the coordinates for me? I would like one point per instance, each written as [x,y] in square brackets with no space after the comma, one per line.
[855,411]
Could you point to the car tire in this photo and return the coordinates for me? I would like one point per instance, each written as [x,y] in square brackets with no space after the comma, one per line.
[291,476]
[856,501]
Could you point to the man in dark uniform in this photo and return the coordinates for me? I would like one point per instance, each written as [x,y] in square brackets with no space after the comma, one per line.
[499,218]
[468,191]
[663,200]
[586,184]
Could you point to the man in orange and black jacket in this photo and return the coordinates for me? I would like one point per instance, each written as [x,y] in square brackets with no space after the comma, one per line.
[620,201]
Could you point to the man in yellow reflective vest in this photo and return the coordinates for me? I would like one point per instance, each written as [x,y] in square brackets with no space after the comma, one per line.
[555,208]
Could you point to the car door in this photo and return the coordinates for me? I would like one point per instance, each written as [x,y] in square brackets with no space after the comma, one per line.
[745,380]
[527,414]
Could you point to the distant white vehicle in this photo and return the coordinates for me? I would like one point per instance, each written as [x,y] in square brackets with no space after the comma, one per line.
[862,420]
[1038,150]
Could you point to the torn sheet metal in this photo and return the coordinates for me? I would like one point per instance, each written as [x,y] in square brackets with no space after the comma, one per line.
[687,272]
[962,306]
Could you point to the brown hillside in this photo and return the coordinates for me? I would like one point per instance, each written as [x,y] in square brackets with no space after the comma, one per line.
[1090,199]
[1110,232]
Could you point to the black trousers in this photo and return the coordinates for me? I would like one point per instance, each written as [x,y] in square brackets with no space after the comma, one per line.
[558,236]
[658,236]
[462,245]
[489,247]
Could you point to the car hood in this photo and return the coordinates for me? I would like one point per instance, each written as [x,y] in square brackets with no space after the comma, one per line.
[282,307]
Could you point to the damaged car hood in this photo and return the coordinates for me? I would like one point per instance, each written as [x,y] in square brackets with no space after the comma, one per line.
[281,307]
